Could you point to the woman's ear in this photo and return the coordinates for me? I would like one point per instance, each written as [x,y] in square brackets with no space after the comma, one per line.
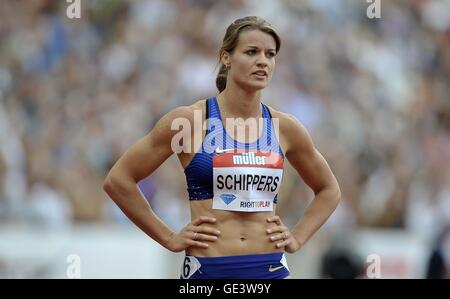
[226,59]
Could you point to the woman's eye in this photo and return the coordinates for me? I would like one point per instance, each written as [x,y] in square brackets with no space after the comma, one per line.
[251,52]
[270,54]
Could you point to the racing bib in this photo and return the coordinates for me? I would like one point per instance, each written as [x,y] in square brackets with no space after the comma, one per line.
[246,181]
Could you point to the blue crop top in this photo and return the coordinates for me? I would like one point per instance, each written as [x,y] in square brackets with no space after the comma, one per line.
[251,173]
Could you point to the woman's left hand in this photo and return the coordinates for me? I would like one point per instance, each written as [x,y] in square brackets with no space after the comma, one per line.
[282,236]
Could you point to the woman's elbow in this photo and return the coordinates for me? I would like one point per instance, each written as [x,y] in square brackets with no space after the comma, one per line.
[118,185]
[111,184]
[337,194]
[108,184]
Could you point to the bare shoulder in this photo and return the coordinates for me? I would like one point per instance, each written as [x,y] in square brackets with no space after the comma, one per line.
[200,104]
[197,107]
[179,127]
[286,120]
[292,133]
[185,112]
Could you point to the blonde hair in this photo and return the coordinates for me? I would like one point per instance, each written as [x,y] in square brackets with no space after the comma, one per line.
[231,38]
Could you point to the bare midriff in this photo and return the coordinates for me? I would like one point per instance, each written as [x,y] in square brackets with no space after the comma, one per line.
[240,232]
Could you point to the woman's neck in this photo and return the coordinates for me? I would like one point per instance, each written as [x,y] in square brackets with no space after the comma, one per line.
[239,103]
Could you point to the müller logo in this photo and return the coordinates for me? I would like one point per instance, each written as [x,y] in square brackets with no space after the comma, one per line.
[249,159]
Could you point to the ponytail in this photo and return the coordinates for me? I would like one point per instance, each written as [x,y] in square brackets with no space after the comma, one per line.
[221,80]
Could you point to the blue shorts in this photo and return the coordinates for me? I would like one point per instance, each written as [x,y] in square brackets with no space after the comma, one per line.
[253,266]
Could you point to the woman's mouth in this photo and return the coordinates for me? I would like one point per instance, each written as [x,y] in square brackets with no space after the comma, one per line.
[260,74]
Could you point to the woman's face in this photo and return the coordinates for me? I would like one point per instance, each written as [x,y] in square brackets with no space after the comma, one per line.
[252,61]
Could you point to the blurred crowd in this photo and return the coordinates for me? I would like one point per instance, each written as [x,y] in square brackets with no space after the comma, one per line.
[76,93]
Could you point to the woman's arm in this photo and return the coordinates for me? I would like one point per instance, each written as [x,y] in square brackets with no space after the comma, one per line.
[138,162]
[314,170]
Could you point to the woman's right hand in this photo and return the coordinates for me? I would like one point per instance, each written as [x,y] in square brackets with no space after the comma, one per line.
[194,234]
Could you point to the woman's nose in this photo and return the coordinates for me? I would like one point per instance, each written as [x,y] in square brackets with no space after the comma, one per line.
[261,61]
